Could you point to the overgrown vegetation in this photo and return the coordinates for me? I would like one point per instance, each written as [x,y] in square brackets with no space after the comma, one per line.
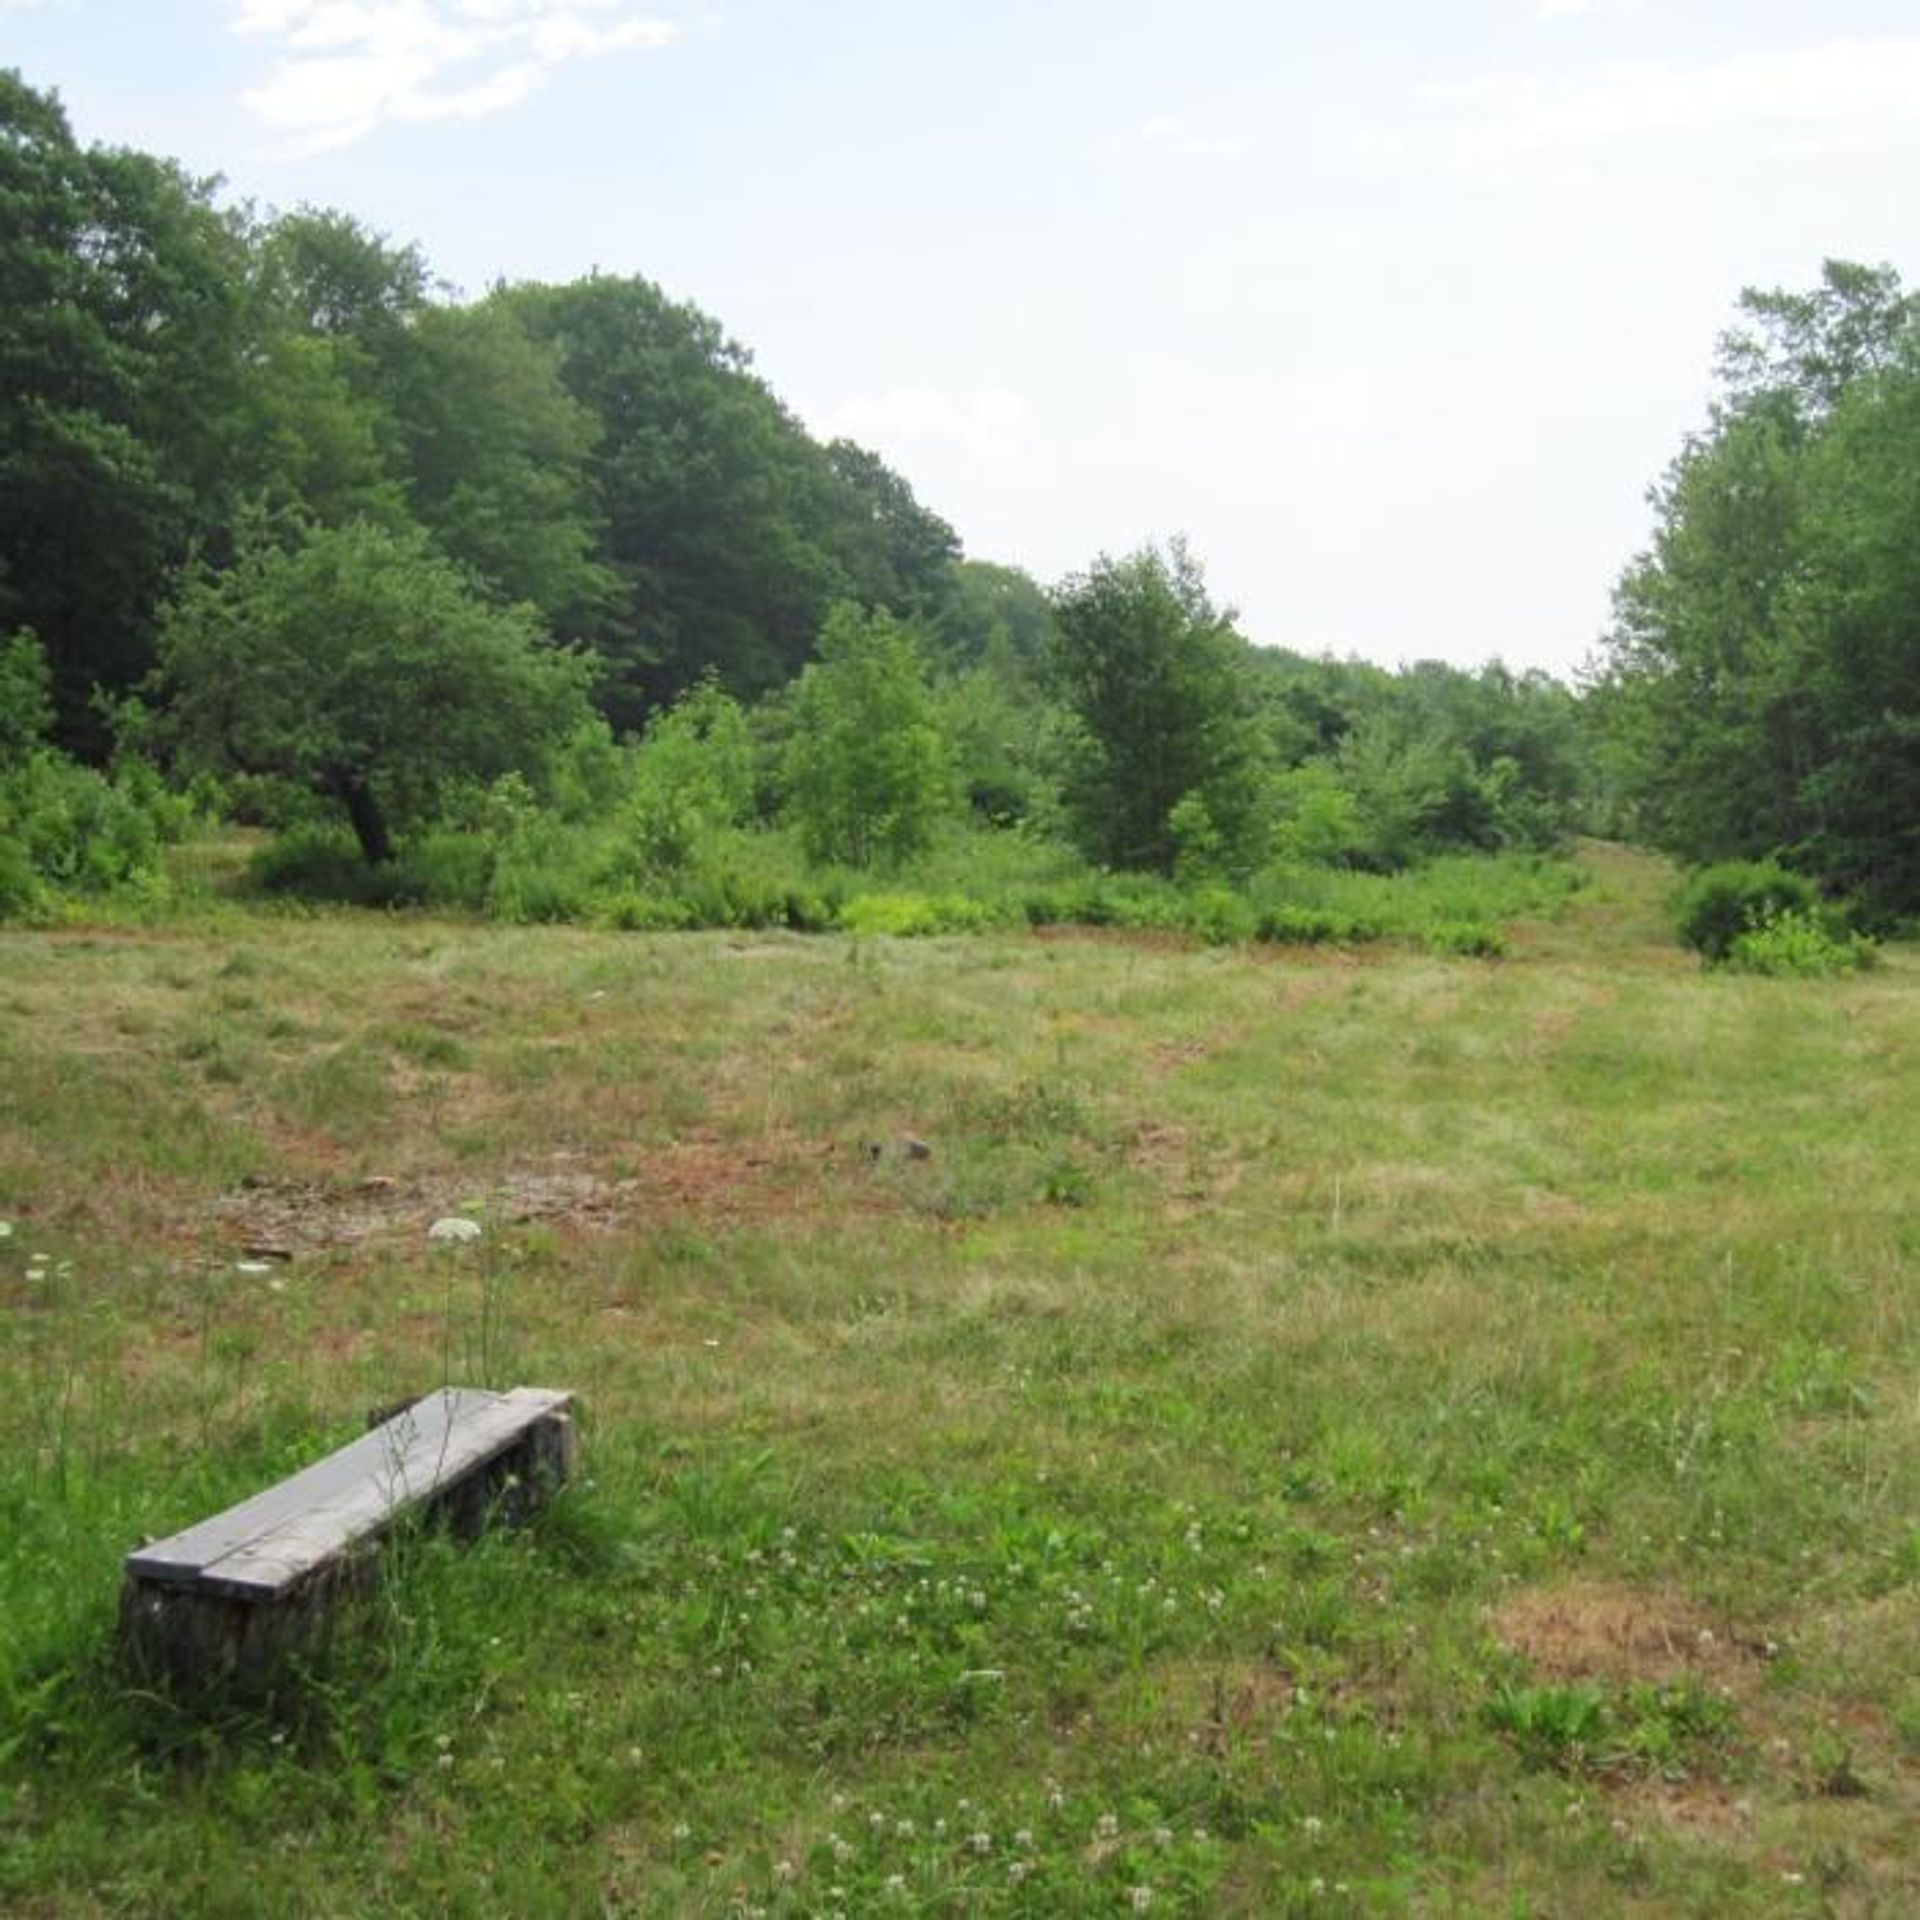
[1306,1435]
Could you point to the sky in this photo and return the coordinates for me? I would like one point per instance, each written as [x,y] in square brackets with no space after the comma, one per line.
[1394,309]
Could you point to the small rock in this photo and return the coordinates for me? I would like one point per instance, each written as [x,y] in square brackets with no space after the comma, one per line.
[916,1149]
[264,1250]
[454,1231]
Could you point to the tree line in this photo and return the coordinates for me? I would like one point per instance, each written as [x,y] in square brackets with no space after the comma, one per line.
[282,517]
[278,511]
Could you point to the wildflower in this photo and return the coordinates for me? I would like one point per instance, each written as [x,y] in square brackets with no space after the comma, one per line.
[1024,1837]
[6,1229]
[896,1883]
[1163,1838]
[981,1842]
[904,1828]
[1107,1827]
[1140,1899]
[453,1231]
[783,1869]
[842,1853]
[682,1831]
[1311,1826]
[1017,1871]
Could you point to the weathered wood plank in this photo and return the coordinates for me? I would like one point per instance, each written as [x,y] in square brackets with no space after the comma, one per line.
[260,1547]
[232,1596]
[182,1556]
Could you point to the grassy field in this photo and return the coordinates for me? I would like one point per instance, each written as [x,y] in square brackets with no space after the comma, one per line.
[1317,1433]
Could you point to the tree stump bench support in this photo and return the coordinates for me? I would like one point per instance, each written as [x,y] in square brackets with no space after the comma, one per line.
[231,1598]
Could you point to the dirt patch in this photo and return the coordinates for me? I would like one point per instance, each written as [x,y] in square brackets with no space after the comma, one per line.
[1698,1810]
[1618,1633]
[302,1216]
[702,1177]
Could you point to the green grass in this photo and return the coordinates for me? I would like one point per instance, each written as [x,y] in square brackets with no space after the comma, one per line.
[1323,1431]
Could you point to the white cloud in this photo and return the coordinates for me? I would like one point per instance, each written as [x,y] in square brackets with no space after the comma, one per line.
[1171,137]
[1859,88]
[346,67]
[987,423]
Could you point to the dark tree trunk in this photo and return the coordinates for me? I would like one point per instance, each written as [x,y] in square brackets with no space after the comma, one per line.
[369,823]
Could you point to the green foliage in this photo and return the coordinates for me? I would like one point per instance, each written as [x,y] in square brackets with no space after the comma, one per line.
[120,418]
[361,666]
[1761,695]
[866,776]
[69,829]
[1317,819]
[692,776]
[1721,902]
[1155,678]
[906,915]
[26,697]
[1799,945]
[1553,1726]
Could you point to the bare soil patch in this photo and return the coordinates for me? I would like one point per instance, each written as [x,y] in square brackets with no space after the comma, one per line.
[1590,1630]
[701,1177]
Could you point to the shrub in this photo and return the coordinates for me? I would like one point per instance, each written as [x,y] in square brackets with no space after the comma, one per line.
[908,914]
[1720,903]
[76,831]
[1800,945]
[1313,926]
[1467,938]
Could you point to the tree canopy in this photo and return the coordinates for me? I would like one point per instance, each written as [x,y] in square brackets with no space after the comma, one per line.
[360,665]
[1762,687]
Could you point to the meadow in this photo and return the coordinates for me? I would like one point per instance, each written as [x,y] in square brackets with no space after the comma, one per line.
[1321,1430]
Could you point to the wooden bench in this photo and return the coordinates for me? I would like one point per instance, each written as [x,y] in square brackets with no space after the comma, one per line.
[231,1598]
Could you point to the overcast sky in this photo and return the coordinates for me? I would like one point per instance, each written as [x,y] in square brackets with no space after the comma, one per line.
[1394,308]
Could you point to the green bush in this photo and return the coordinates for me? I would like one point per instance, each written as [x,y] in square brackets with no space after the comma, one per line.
[21,894]
[1799,945]
[73,830]
[1468,938]
[909,914]
[1312,927]
[1720,903]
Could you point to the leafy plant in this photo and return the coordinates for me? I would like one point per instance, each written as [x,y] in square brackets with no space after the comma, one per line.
[1734,897]
[1800,946]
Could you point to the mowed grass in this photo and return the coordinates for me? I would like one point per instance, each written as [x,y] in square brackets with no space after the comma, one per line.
[1317,1433]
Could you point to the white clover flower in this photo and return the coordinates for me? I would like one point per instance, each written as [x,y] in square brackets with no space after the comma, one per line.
[1140,1899]
[6,1229]
[454,1231]
[981,1842]
[1163,1838]
[1107,1827]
